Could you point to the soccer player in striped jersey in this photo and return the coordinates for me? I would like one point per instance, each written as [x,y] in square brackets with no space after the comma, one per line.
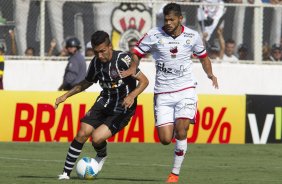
[114,106]
[175,98]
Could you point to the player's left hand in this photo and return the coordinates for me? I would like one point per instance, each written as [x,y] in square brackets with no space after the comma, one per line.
[126,73]
[128,101]
[59,100]
[214,81]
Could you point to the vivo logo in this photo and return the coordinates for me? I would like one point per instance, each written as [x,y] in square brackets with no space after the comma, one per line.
[262,139]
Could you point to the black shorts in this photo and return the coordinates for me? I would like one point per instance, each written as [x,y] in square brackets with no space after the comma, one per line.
[99,115]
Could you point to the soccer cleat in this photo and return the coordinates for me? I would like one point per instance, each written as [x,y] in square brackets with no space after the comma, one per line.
[101,161]
[172,178]
[63,176]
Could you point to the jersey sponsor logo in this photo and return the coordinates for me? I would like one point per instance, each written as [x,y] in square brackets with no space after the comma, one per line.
[189,35]
[161,68]
[173,42]
[111,85]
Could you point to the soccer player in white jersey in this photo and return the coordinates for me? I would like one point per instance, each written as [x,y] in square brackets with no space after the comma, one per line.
[175,99]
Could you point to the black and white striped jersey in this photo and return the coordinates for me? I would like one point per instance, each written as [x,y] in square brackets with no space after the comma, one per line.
[115,88]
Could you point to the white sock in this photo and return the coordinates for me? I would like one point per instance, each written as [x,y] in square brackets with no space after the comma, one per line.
[179,154]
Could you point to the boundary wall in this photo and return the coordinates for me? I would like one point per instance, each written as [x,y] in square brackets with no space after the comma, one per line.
[233,78]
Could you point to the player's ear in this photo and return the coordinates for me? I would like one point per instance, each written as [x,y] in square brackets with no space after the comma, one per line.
[110,45]
[180,18]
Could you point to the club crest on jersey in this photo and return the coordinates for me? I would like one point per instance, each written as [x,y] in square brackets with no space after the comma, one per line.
[173,51]
[161,41]
[188,41]
[114,72]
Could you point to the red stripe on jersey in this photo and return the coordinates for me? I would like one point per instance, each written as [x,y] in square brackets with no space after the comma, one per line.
[137,44]
[175,91]
[203,56]
[135,51]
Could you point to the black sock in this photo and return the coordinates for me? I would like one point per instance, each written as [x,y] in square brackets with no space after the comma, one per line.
[72,155]
[101,149]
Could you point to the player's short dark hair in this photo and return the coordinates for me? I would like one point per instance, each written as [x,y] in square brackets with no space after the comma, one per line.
[172,7]
[100,37]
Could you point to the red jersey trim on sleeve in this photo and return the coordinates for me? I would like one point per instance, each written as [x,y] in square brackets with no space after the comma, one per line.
[138,52]
[203,56]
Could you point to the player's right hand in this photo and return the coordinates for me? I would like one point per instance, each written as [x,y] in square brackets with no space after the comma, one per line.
[214,81]
[59,100]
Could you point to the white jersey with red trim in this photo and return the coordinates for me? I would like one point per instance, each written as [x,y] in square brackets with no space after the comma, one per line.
[173,57]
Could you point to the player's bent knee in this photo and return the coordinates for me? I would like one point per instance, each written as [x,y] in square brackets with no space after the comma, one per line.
[165,141]
[97,140]
[181,135]
[82,136]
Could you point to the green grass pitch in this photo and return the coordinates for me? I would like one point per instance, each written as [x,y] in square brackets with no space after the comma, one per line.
[130,163]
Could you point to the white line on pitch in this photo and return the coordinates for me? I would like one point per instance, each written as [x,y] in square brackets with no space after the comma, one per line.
[41,160]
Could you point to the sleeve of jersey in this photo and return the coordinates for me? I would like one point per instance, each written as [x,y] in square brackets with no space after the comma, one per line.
[90,75]
[124,65]
[199,49]
[143,46]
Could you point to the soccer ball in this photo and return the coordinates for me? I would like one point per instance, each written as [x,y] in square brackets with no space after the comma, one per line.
[87,168]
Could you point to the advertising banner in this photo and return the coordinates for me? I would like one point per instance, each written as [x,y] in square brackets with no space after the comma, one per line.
[220,120]
[264,119]
[31,117]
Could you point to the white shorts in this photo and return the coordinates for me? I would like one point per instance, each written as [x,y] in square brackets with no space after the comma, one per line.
[171,106]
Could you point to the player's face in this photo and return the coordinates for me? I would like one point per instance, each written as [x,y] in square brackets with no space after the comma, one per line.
[103,52]
[172,22]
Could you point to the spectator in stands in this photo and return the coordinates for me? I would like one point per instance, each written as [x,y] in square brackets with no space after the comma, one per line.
[229,51]
[89,52]
[265,52]
[213,52]
[243,52]
[216,49]
[276,53]
[76,68]
[52,47]
[2,51]
[210,16]
[63,52]
[13,42]
[29,51]
[219,33]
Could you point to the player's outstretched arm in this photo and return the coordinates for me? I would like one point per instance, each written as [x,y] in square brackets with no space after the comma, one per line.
[142,84]
[76,89]
[206,64]
[133,66]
